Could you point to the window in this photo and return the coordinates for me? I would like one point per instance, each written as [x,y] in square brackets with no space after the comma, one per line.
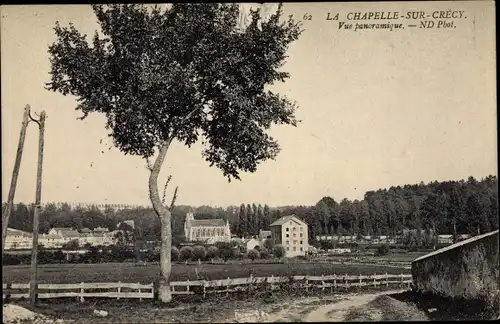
[301,248]
[301,234]
[287,242]
[294,235]
[287,235]
[294,228]
[287,248]
[301,242]
[294,248]
[287,229]
[301,228]
[294,242]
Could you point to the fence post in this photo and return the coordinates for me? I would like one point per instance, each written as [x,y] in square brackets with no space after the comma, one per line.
[82,290]
[272,282]
[374,280]
[140,296]
[335,282]
[322,283]
[187,287]
[386,280]
[204,288]
[360,280]
[251,282]
[119,290]
[227,287]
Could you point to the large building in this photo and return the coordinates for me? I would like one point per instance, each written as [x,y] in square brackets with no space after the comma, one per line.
[206,230]
[291,232]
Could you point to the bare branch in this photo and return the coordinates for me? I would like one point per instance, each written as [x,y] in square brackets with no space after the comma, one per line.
[165,189]
[174,198]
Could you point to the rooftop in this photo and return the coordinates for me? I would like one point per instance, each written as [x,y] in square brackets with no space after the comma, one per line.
[16,232]
[285,219]
[450,247]
[207,222]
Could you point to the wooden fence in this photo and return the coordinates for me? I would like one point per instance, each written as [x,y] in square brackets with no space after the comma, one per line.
[82,290]
[203,287]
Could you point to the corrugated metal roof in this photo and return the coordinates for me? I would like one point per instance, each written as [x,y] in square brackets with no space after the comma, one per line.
[285,219]
[207,222]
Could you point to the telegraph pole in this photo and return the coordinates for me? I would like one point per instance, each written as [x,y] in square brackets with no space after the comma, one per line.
[37,207]
[15,174]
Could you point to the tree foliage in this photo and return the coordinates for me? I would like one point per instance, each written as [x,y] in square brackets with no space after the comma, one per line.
[279,251]
[184,73]
[253,254]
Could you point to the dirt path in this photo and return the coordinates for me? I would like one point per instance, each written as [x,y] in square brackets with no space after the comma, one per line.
[337,311]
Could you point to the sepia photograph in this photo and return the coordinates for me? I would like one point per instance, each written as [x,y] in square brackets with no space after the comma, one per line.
[249,162]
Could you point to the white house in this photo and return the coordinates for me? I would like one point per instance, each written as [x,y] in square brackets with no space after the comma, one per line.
[291,232]
[18,240]
[253,244]
[445,239]
[264,235]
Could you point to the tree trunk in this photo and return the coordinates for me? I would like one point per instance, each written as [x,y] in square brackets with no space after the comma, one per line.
[164,292]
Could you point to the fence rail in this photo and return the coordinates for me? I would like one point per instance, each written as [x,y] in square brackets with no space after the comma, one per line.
[81,290]
[204,287]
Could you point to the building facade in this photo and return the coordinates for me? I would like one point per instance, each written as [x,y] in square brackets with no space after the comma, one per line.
[292,233]
[58,237]
[206,230]
[18,240]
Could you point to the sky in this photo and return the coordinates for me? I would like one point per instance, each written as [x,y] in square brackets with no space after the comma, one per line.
[377,109]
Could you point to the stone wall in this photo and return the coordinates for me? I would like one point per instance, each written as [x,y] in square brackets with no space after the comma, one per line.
[466,270]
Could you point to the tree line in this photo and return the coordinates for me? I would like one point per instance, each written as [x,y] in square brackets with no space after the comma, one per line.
[448,207]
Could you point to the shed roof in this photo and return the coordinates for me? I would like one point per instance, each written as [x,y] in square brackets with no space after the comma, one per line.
[450,247]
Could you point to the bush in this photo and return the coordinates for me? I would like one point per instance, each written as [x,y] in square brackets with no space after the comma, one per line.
[279,251]
[269,244]
[212,252]
[174,254]
[186,252]
[264,253]
[226,250]
[253,254]
[383,250]
[199,252]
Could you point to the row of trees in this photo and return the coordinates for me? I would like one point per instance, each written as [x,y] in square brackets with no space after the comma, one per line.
[444,207]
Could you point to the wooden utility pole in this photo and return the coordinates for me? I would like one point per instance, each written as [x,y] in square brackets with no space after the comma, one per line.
[434,235]
[15,174]
[37,206]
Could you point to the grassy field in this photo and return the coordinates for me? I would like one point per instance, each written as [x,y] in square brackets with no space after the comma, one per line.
[129,272]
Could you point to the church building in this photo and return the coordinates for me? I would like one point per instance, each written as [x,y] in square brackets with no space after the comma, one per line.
[206,230]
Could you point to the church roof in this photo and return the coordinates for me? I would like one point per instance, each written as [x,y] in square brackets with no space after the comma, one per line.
[207,222]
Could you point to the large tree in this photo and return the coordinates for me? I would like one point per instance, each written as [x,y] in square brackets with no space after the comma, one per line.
[183,73]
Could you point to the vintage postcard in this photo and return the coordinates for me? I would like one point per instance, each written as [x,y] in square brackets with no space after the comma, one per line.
[249,162]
